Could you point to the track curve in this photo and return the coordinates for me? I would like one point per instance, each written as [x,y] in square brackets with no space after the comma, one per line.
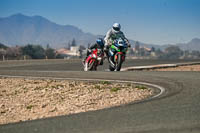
[177,110]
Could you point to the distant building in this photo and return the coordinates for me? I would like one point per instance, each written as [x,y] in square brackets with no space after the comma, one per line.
[147,49]
[74,51]
[137,49]
[137,46]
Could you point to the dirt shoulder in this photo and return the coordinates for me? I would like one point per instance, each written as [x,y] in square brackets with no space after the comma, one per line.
[28,99]
[181,68]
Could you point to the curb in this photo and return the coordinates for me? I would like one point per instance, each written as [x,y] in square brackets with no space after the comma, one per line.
[139,68]
[162,89]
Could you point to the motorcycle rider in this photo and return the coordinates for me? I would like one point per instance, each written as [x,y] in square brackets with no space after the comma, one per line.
[113,34]
[98,45]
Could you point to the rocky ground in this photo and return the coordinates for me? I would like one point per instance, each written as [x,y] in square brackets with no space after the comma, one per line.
[28,99]
[181,68]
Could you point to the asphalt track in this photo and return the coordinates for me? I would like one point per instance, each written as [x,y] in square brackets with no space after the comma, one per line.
[176,111]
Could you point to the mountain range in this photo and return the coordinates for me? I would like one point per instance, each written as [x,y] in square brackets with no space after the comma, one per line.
[19,29]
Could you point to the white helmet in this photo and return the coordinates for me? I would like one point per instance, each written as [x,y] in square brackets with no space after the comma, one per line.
[116,27]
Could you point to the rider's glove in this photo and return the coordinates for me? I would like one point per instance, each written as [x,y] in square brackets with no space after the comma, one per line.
[89,50]
[129,45]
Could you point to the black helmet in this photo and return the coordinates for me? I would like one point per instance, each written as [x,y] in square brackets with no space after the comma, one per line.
[100,42]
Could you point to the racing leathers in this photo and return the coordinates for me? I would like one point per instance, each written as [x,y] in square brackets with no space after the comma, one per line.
[111,36]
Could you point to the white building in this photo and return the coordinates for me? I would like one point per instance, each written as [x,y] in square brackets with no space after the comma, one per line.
[74,51]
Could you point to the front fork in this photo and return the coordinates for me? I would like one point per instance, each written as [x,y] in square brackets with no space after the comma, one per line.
[114,59]
[122,55]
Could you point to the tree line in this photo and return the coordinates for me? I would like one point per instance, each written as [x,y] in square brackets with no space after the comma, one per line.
[28,51]
[171,52]
[31,51]
[174,52]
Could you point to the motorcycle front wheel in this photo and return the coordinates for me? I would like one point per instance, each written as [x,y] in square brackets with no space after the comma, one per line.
[89,66]
[119,62]
[111,68]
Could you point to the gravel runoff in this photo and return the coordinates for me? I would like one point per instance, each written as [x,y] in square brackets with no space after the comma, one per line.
[27,99]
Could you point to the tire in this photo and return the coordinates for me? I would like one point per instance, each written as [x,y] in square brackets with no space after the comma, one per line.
[101,62]
[111,68]
[119,62]
[88,67]
[94,66]
[91,66]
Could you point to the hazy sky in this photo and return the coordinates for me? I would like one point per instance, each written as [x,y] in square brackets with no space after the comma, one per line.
[149,21]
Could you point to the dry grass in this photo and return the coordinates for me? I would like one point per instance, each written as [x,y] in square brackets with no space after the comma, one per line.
[26,99]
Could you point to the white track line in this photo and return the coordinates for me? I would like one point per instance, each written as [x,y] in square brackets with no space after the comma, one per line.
[162,90]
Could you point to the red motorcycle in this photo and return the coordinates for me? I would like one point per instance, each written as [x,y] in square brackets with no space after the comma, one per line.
[93,60]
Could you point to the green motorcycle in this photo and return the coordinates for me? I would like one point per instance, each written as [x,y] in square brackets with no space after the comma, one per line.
[117,54]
